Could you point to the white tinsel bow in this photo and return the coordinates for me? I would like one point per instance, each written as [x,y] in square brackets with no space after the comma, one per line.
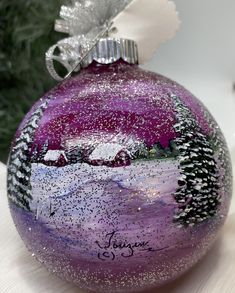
[147,22]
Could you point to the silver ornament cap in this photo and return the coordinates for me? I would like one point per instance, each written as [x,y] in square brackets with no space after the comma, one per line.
[109,50]
[90,40]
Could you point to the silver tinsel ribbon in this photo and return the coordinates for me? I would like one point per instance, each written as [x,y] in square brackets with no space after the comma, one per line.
[86,21]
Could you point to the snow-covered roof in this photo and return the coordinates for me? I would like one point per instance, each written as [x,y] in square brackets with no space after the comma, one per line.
[106,151]
[54,155]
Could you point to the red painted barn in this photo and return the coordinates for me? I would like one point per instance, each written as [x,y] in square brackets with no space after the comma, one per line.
[110,155]
[56,158]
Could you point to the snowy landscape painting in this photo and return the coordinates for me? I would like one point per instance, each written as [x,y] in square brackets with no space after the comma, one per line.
[121,159]
[134,185]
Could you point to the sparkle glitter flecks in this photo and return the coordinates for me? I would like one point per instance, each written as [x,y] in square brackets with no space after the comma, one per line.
[114,175]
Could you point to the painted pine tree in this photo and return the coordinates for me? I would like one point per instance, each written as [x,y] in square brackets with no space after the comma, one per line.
[141,153]
[19,167]
[44,150]
[198,193]
[74,155]
[218,141]
[34,156]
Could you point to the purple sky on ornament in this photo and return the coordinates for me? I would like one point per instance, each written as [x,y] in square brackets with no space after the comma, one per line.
[114,99]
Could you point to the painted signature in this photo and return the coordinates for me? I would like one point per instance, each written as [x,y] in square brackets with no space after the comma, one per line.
[114,247]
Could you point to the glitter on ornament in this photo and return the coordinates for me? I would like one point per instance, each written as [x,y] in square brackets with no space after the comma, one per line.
[119,179]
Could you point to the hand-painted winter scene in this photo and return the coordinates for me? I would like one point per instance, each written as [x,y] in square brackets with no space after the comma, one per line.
[119,181]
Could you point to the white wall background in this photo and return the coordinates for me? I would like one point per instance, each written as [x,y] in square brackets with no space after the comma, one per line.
[202,58]
[204,45]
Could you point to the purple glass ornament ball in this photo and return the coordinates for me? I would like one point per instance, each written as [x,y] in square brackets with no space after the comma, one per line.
[119,179]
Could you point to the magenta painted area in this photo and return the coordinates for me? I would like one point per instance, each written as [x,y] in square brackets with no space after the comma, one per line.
[72,254]
[92,201]
[113,99]
[83,159]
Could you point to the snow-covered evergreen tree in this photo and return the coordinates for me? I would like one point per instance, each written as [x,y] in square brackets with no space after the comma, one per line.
[141,153]
[221,148]
[74,155]
[157,151]
[198,192]
[34,156]
[174,149]
[19,167]
[44,150]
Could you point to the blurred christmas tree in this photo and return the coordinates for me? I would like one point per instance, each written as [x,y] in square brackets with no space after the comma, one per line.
[26,32]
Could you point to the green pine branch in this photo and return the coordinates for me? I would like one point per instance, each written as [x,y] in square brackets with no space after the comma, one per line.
[26,33]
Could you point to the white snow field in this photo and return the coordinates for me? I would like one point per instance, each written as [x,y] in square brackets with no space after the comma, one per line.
[154,179]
